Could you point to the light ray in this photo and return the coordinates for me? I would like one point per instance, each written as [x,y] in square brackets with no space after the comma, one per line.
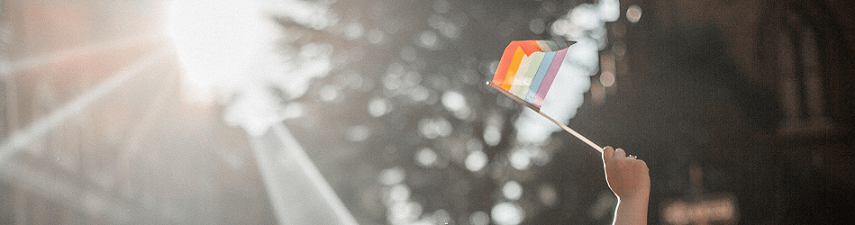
[294,184]
[9,68]
[38,129]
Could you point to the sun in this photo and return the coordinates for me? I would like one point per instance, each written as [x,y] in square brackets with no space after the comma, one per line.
[219,43]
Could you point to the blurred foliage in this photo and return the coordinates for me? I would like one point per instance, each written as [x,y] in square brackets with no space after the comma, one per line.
[402,123]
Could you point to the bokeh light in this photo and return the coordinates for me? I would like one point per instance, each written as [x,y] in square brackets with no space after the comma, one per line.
[476,161]
[633,13]
[512,190]
[507,213]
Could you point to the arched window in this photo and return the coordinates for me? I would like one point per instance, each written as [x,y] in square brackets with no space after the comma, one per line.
[799,75]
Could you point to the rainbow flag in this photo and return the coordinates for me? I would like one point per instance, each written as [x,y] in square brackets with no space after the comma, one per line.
[527,69]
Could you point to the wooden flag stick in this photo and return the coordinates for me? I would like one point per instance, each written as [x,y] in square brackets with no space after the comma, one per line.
[574,133]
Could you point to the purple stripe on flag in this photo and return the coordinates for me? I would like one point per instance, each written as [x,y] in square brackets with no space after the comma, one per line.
[550,75]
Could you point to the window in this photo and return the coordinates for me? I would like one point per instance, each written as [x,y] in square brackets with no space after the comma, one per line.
[800,80]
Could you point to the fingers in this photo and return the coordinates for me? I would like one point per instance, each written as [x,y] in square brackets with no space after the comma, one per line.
[619,153]
[608,153]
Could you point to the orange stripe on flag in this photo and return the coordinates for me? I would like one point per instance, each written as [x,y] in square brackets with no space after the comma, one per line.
[512,70]
[510,55]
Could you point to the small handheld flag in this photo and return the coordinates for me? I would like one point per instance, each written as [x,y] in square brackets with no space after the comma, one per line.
[526,72]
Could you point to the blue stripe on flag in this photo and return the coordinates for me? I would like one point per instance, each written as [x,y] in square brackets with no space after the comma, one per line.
[538,77]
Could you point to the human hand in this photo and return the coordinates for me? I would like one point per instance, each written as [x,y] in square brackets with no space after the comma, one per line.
[627,176]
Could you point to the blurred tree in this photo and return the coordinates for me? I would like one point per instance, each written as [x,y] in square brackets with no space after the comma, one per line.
[403,126]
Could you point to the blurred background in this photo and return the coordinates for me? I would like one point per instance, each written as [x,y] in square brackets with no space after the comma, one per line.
[376,112]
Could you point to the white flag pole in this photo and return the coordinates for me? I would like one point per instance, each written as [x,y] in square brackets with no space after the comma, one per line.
[574,133]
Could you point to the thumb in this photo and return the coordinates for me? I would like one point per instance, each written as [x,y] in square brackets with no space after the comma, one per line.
[608,154]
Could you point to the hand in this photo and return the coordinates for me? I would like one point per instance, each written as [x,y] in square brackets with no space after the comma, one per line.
[628,177]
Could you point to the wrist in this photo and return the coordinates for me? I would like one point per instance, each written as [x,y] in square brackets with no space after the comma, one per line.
[640,195]
[634,200]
